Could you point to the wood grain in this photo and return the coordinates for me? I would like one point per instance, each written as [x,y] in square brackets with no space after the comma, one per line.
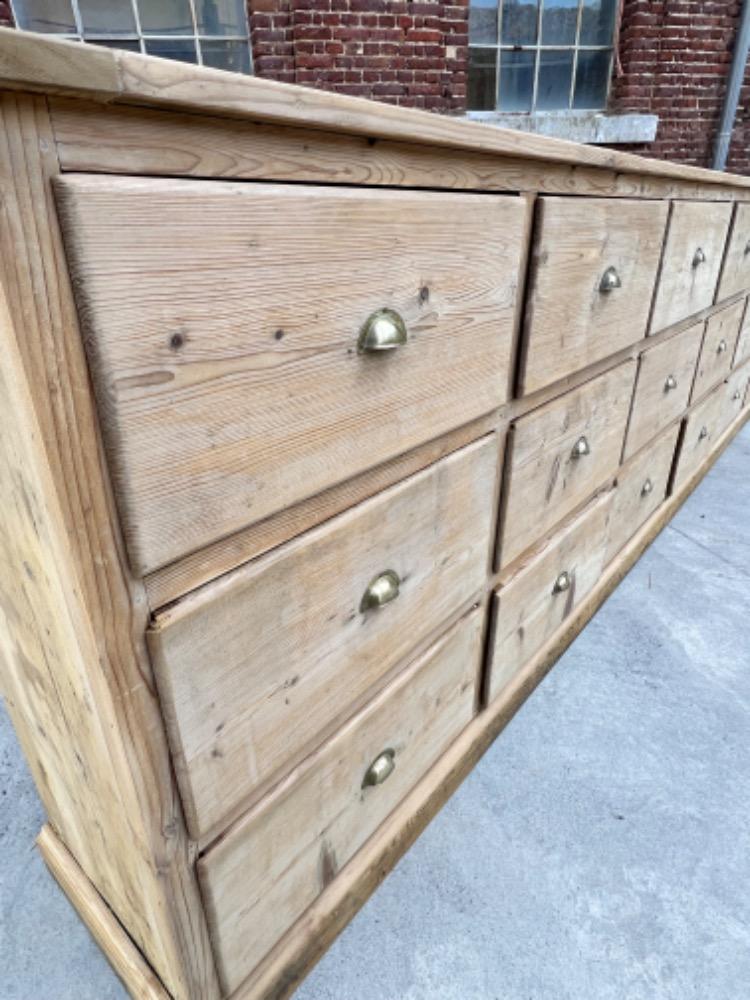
[685,289]
[717,351]
[236,388]
[544,482]
[655,405]
[268,869]
[258,667]
[735,275]
[570,323]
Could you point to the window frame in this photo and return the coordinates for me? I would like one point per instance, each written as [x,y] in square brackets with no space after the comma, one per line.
[537,48]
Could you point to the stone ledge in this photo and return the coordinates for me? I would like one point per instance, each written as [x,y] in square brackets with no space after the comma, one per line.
[591,127]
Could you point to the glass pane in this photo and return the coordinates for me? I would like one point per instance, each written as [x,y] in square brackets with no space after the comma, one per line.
[234,56]
[107,17]
[483,22]
[165,17]
[559,22]
[221,17]
[481,89]
[598,22]
[172,48]
[555,75]
[116,43]
[592,79]
[519,23]
[516,85]
[49,16]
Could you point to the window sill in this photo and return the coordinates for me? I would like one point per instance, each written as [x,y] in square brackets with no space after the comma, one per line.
[579,126]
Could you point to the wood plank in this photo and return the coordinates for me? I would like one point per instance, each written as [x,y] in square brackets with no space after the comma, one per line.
[272,865]
[735,275]
[80,691]
[29,62]
[127,962]
[291,960]
[570,322]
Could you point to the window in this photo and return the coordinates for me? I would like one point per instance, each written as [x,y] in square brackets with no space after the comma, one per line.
[540,55]
[209,32]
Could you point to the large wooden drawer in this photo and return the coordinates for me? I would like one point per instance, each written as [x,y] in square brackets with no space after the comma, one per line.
[593,273]
[256,669]
[223,322]
[692,260]
[560,454]
[532,605]
[268,869]
[642,485]
[663,387]
[735,275]
[719,343]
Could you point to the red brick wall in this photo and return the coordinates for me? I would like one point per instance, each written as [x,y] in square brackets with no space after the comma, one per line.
[675,56]
[400,51]
[6,17]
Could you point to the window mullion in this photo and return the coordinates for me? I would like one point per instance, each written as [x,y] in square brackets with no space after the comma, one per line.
[198,46]
[77,17]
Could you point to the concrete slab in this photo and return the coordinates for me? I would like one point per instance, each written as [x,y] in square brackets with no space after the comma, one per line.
[598,852]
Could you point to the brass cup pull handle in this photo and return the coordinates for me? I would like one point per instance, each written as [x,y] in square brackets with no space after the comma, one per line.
[581,448]
[610,280]
[382,589]
[648,487]
[384,330]
[737,395]
[671,383]
[562,583]
[703,434]
[699,257]
[381,769]
[722,347]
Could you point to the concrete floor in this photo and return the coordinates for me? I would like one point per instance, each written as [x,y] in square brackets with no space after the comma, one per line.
[601,849]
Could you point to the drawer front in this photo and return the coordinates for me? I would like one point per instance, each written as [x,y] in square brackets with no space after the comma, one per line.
[547,478]
[703,426]
[742,353]
[719,343]
[663,387]
[736,394]
[735,276]
[594,267]
[641,487]
[254,670]
[532,605]
[228,337]
[263,875]
[692,260]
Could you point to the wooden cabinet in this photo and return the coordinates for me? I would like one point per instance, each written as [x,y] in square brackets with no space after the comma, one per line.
[327,425]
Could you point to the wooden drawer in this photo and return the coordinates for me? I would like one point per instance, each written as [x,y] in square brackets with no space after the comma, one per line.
[707,421]
[223,323]
[742,351]
[532,605]
[571,321]
[735,275]
[545,477]
[641,487]
[255,669]
[663,387]
[263,875]
[736,395]
[692,260]
[719,343]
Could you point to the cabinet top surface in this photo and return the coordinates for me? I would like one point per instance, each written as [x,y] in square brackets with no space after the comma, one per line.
[39,63]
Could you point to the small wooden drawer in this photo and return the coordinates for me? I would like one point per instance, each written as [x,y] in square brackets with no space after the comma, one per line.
[719,343]
[561,454]
[705,423]
[268,869]
[736,394]
[663,387]
[692,260]
[535,601]
[735,276]
[742,351]
[256,669]
[594,267]
[229,334]
[641,487]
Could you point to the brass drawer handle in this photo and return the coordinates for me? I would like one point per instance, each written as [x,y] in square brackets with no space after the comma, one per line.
[747,248]
[699,257]
[381,590]
[581,448]
[610,280]
[562,583]
[670,384]
[648,487]
[385,330]
[737,395]
[381,769]
[703,434]
[722,347]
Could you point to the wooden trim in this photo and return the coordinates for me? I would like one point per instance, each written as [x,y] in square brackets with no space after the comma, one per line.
[282,971]
[38,62]
[127,962]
